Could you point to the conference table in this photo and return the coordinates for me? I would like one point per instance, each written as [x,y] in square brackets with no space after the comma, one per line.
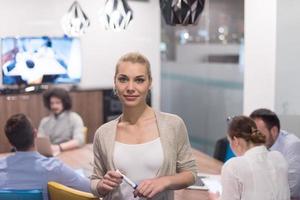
[82,159]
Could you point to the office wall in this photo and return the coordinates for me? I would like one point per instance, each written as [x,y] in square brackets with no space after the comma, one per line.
[288,67]
[100,48]
[260,55]
[287,96]
[272,47]
[203,94]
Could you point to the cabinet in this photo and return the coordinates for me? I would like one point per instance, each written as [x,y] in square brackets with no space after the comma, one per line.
[87,103]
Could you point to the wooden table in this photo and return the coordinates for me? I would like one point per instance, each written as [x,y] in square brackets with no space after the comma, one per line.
[83,158]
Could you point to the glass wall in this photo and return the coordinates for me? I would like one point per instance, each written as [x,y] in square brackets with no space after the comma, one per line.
[202,71]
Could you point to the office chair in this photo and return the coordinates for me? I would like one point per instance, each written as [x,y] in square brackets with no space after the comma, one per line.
[58,191]
[35,194]
[223,152]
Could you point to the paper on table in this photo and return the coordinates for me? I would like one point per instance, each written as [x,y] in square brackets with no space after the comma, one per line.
[209,182]
[212,181]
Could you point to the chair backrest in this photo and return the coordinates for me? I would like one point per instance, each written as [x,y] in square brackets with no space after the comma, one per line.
[223,151]
[58,191]
[10,194]
[229,153]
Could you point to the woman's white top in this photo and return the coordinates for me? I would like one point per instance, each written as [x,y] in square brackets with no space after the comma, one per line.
[257,175]
[138,162]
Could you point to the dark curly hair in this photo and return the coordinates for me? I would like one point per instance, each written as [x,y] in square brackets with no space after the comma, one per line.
[60,93]
[244,127]
[19,132]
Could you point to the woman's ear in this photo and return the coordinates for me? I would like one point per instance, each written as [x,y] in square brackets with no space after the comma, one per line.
[35,132]
[235,141]
[150,83]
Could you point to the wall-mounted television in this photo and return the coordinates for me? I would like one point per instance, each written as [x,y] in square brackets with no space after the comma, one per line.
[39,60]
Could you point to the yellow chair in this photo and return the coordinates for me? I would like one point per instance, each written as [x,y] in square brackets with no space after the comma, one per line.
[58,191]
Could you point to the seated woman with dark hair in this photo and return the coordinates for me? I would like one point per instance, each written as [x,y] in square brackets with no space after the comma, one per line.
[256,173]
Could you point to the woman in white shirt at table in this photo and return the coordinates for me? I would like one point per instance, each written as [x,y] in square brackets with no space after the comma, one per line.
[256,174]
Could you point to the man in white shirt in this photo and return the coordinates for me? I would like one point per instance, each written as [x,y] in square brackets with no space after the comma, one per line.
[27,169]
[286,143]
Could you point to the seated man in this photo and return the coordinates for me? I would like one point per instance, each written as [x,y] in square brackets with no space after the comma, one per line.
[27,169]
[286,143]
[64,127]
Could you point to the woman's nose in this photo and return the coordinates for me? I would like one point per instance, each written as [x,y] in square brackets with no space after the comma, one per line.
[130,87]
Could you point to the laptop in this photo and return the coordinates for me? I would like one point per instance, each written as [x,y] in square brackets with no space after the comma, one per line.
[43,146]
[211,182]
[199,184]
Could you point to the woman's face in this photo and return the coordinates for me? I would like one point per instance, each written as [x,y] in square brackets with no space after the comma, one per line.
[132,83]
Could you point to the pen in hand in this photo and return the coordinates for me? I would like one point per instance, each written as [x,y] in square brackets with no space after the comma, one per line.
[127,180]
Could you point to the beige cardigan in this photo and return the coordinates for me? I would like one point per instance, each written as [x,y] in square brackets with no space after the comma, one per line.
[178,156]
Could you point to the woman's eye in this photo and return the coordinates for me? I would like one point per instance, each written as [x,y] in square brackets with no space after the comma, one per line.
[122,79]
[140,80]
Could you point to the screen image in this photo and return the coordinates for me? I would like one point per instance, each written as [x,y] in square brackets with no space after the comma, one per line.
[37,60]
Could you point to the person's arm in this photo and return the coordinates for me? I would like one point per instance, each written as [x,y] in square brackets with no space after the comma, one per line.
[185,158]
[41,130]
[186,168]
[67,176]
[293,160]
[71,144]
[103,181]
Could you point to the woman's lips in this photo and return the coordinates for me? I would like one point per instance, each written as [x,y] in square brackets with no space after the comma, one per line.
[131,97]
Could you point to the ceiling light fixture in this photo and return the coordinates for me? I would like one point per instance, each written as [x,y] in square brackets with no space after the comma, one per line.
[116,15]
[183,12]
[75,22]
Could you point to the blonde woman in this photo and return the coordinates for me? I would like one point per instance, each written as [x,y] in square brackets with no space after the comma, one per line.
[150,147]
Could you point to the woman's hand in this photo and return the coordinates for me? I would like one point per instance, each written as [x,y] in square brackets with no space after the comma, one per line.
[110,181]
[150,187]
